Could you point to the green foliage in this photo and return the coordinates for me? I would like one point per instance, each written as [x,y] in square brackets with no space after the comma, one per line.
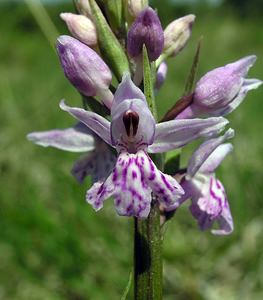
[53,245]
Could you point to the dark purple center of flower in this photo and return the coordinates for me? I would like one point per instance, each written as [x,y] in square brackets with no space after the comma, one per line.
[131,122]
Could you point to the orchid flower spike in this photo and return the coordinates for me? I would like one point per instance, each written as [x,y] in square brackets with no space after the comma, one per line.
[85,69]
[209,200]
[222,90]
[134,132]
[99,160]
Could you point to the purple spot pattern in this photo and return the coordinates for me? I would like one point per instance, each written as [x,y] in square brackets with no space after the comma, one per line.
[98,164]
[131,183]
[210,204]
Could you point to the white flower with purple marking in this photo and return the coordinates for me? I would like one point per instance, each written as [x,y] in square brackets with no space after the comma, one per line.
[99,160]
[134,132]
[209,200]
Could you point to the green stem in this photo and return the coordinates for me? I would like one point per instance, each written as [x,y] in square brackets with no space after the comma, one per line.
[148,256]
[147,233]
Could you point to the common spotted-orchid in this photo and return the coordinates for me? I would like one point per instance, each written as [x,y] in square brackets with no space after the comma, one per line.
[134,132]
[222,90]
[209,200]
[99,160]
[118,146]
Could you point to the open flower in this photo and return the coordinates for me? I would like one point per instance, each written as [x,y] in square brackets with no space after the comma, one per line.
[98,162]
[222,90]
[133,132]
[209,200]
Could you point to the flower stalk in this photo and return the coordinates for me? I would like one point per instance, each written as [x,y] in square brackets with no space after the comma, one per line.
[148,266]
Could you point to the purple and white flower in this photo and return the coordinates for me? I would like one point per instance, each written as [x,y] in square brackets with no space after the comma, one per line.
[134,132]
[99,160]
[209,200]
[222,90]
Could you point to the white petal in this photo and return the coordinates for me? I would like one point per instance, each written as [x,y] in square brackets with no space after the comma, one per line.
[177,133]
[200,156]
[70,139]
[215,158]
[93,121]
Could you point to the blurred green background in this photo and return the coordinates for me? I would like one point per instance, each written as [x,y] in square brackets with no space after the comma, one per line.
[52,244]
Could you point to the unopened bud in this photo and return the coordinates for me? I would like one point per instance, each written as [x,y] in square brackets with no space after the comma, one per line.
[146,29]
[83,7]
[81,27]
[177,34]
[85,69]
[135,7]
[222,90]
[161,75]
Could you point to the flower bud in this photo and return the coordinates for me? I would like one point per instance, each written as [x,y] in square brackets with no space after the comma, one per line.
[146,29]
[161,75]
[83,7]
[177,34]
[81,27]
[85,69]
[222,90]
[135,7]
[219,87]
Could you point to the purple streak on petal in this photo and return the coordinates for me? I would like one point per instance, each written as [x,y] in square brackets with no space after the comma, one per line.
[83,66]
[132,196]
[215,158]
[203,152]
[164,186]
[146,29]
[75,139]
[212,207]
[93,121]
[177,133]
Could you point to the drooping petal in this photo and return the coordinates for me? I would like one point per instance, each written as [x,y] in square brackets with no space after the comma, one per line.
[98,163]
[212,207]
[93,121]
[131,183]
[215,158]
[200,156]
[74,139]
[225,221]
[177,133]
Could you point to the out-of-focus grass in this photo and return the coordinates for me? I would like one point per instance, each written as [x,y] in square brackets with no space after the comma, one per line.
[53,245]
